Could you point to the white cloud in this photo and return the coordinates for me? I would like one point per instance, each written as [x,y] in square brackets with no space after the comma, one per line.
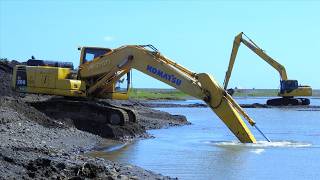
[108,38]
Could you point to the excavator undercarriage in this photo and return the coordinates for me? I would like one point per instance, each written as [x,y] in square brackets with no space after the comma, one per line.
[89,115]
[287,101]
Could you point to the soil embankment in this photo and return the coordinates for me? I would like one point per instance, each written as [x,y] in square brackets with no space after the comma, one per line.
[35,144]
[5,78]
[159,104]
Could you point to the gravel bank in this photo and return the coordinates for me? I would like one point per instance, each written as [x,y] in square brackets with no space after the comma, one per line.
[35,145]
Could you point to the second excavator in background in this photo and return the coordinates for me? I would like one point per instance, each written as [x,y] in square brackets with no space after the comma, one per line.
[289,89]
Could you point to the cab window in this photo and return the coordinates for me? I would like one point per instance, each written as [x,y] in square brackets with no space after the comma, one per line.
[89,57]
[92,53]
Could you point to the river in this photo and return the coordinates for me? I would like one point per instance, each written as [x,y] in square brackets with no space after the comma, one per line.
[207,150]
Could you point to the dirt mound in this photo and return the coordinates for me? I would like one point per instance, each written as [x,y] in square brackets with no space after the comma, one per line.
[159,104]
[254,105]
[15,109]
[34,145]
[6,68]
[44,168]
[37,163]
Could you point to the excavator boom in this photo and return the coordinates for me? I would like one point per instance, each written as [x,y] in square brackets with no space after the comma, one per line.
[257,50]
[152,63]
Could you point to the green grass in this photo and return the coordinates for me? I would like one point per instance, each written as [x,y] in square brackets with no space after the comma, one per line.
[316,93]
[255,92]
[166,94]
[265,92]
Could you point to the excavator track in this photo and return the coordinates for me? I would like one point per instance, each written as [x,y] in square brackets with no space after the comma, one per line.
[97,118]
[84,110]
[288,101]
[131,113]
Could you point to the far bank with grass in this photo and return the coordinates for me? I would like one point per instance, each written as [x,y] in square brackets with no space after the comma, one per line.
[173,94]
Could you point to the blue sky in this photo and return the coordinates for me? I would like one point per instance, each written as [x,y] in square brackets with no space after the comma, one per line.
[196,34]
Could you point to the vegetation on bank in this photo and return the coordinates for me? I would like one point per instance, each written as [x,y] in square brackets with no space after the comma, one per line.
[166,94]
[173,94]
[265,92]
[255,92]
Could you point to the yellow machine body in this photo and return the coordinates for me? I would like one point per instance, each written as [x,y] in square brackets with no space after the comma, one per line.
[300,91]
[47,80]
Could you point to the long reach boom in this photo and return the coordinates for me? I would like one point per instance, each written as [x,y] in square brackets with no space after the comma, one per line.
[199,85]
[288,88]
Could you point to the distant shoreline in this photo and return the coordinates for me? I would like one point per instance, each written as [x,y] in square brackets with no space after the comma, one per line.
[173,94]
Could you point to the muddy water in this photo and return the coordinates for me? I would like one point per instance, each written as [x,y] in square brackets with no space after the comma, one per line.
[207,150]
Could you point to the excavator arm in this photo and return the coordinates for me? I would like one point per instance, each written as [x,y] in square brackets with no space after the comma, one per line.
[109,67]
[257,50]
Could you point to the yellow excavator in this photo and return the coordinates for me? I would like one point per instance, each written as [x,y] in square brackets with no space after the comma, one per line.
[288,88]
[101,69]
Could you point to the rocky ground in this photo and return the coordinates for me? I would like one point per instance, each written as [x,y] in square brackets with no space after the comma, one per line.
[35,145]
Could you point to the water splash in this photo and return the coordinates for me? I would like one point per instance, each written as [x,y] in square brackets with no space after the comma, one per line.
[262,144]
[258,151]
[259,147]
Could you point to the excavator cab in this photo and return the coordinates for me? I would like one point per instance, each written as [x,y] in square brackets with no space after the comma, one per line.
[117,90]
[288,85]
[90,53]
[291,88]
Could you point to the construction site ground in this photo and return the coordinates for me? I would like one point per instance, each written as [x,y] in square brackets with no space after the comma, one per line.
[35,145]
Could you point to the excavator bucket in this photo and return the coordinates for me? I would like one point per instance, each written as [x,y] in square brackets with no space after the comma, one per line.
[225,110]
